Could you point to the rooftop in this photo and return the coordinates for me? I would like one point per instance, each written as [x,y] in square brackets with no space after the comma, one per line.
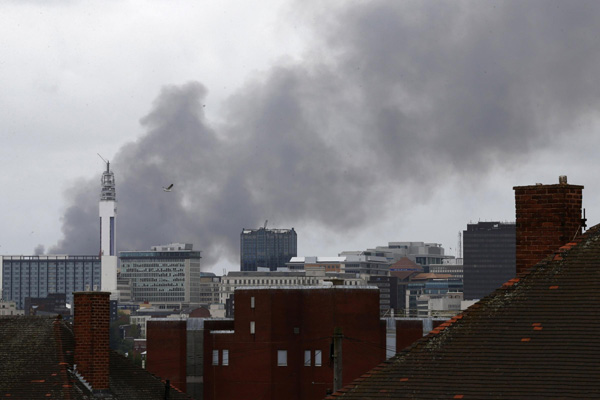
[37,362]
[535,337]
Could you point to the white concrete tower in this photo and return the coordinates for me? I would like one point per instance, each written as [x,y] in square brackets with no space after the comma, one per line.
[108,225]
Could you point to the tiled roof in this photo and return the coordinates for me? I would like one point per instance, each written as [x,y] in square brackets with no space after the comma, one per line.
[535,337]
[405,262]
[35,354]
[130,382]
[36,360]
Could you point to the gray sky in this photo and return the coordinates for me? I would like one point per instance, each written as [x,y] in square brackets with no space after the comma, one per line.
[356,123]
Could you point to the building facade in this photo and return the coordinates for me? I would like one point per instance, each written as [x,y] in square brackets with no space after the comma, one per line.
[431,285]
[166,276]
[267,248]
[347,262]
[8,308]
[489,250]
[239,279]
[279,346]
[39,276]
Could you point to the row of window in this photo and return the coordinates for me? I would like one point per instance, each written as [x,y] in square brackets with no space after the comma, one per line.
[281,358]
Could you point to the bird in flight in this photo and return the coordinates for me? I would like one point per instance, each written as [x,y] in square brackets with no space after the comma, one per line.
[168,188]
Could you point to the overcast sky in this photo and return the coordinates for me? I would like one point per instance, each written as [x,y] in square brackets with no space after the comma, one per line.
[356,123]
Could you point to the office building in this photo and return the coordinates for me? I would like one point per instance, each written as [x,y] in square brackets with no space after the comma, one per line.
[267,248]
[311,277]
[166,276]
[421,253]
[39,276]
[351,262]
[489,250]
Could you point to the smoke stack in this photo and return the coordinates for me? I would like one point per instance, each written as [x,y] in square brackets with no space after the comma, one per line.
[548,217]
[91,329]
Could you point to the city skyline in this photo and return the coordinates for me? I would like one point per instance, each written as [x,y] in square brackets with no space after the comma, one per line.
[405,123]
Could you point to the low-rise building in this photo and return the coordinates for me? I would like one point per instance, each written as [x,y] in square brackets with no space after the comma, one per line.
[445,305]
[9,308]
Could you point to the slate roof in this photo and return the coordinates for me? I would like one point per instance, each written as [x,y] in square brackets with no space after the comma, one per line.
[36,360]
[538,336]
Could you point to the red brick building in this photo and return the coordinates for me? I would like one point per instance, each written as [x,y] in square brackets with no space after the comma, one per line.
[280,344]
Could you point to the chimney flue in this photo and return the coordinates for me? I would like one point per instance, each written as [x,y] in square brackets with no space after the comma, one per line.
[562,179]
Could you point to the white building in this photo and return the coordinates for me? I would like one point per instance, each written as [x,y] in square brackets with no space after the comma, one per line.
[9,308]
[238,279]
[439,305]
[421,253]
[347,262]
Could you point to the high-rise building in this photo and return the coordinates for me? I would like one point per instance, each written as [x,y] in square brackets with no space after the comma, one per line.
[108,215]
[167,276]
[39,276]
[489,257]
[268,248]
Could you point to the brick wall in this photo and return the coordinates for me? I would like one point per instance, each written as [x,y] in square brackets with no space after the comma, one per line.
[166,357]
[91,329]
[548,217]
[296,321]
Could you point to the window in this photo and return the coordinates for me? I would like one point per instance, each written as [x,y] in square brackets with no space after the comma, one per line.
[281,358]
[318,358]
[252,326]
[307,360]
[252,302]
[225,358]
[215,357]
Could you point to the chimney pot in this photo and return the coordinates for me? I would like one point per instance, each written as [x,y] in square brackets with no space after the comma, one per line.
[562,179]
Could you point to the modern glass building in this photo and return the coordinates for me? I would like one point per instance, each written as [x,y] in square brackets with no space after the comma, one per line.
[167,276]
[269,248]
[39,276]
[489,250]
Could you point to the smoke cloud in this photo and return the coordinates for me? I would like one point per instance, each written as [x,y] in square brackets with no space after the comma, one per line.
[396,97]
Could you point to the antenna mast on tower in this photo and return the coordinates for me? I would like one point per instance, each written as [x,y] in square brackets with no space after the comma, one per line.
[105,162]
[459,246]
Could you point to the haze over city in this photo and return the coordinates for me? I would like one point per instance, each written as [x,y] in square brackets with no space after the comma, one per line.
[355,123]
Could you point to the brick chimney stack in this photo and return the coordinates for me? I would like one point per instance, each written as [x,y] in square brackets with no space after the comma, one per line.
[91,329]
[548,217]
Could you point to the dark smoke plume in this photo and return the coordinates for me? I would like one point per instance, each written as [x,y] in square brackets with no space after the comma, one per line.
[396,98]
